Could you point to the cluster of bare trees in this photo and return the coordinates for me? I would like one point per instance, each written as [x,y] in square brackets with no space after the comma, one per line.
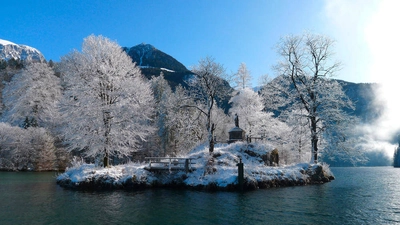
[97,104]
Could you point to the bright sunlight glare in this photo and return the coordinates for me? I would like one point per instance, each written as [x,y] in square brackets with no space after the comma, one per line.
[383,37]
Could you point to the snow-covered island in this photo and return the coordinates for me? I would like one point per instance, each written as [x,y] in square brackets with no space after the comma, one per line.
[218,171]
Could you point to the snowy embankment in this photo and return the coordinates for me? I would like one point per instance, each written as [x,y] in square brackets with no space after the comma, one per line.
[210,172]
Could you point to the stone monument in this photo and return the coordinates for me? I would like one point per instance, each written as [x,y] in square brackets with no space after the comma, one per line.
[236,133]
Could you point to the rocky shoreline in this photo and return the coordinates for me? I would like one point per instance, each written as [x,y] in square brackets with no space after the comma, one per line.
[314,174]
[217,171]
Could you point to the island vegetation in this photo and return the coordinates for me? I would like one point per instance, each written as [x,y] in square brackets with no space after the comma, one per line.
[95,114]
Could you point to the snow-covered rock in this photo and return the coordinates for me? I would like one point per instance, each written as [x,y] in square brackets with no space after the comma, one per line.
[217,171]
[10,50]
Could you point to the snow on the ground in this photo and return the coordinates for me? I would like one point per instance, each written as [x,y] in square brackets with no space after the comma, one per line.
[219,169]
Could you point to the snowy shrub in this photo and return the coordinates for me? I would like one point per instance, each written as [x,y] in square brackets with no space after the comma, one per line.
[76,162]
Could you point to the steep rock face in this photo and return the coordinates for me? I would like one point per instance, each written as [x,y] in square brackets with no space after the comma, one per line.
[9,50]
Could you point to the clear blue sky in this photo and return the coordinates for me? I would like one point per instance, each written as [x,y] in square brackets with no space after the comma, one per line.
[230,31]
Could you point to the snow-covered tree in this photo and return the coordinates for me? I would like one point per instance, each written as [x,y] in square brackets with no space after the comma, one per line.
[264,80]
[248,105]
[41,145]
[26,149]
[297,136]
[32,96]
[187,125]
[163,107]
[304,83]
[179,127]
[223,123]
[242,77]
[207,86]
[107,102]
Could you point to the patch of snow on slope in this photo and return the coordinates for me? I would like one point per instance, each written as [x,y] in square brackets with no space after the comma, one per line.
[168,70]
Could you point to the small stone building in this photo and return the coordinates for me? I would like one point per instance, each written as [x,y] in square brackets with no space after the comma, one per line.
[236,133]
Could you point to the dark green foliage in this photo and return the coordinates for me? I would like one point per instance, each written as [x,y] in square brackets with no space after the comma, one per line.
[29,123]
[15,64]
[3,64]
[396,157]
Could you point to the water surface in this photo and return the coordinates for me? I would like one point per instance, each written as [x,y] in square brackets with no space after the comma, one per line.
[357,196]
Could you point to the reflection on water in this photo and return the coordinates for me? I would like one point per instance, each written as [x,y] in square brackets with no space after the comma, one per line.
[357,196]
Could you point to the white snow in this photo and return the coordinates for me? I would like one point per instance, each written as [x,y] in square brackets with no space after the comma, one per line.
[151,67]
[29,48]
[168,70]
[5,42]
[10,50]
[224,170]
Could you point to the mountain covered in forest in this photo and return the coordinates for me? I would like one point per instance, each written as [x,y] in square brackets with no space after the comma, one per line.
[362,95]
[153,61]
[10,50]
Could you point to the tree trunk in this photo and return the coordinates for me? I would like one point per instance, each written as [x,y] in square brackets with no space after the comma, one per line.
[106,160]
[314,140]
[211,139]
[107,124]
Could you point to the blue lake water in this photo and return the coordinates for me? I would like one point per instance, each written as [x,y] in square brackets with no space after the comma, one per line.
[357,196]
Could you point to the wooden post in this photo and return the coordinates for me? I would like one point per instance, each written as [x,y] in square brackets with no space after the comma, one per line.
[186,165]
[240,175]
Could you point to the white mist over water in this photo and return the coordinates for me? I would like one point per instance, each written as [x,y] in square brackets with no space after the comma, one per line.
[383,38]
[368,39]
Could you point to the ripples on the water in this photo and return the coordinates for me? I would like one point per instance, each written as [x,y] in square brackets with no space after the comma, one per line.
[357,196]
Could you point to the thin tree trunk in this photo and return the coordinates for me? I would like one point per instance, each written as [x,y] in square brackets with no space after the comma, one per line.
[107,124]
[106,160]
[211,139]
[314,140]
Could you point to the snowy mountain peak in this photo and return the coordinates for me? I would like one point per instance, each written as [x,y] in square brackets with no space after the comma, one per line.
[10,50]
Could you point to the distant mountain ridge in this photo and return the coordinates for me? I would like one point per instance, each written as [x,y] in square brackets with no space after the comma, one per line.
[153,61]
[10,50]
[147,56]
